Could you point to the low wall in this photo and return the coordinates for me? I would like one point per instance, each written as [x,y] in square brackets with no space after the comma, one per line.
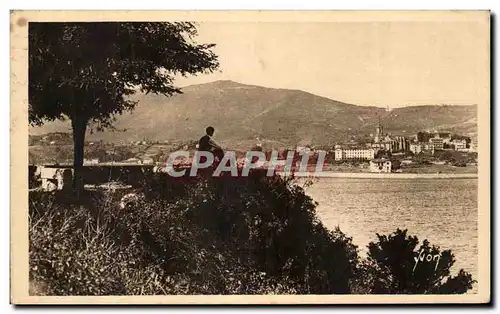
[50,177]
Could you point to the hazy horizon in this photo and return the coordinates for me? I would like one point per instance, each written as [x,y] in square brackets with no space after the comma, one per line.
[372,63]
[298,89]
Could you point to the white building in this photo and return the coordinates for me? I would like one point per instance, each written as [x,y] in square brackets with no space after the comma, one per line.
[380,165]
[416,148]
[437,142]
[459,144]
[363,154]
[473,145]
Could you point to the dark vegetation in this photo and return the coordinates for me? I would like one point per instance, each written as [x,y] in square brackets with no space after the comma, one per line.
[390,268]
[87,72]
[253,235]
[426,136]
[456,158]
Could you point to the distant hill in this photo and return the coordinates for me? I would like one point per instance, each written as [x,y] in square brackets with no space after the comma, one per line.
[241,113]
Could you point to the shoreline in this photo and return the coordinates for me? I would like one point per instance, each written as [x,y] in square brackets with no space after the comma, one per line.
[375,175]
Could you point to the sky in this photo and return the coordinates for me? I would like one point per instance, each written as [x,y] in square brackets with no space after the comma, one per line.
[386,64]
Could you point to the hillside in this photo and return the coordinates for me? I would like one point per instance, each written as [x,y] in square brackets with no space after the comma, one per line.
[241,113]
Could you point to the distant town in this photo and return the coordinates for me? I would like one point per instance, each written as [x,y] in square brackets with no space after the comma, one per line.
[425,152]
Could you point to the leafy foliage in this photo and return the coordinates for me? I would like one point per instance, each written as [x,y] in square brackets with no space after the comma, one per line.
[392,268]
[207,236]
[89,69]
[251,235]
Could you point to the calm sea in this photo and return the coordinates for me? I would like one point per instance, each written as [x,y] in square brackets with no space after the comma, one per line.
[444,211]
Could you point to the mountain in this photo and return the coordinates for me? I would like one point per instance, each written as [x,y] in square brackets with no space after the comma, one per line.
[241,113]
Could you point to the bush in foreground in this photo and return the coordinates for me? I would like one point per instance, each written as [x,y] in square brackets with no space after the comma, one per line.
[254,235]
[397,264]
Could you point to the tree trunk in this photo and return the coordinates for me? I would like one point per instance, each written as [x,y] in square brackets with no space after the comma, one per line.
[79,126]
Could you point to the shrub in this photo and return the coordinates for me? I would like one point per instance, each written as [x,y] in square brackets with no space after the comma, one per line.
[252,235]
[391,268]
[70,250]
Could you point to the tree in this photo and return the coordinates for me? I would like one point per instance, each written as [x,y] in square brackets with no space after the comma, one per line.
[391,268]
[396,164]
[409,153]
[383,154]
[423,136]
[86,72]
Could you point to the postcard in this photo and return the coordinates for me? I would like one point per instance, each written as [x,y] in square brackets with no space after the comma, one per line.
[250,157]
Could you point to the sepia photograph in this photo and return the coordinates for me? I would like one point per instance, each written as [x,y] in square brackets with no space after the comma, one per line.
[250,157]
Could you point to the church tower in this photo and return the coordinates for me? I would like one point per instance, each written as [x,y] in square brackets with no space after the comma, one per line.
[379,132]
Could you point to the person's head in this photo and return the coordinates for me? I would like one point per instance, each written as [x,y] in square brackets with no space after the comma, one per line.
[210,130]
